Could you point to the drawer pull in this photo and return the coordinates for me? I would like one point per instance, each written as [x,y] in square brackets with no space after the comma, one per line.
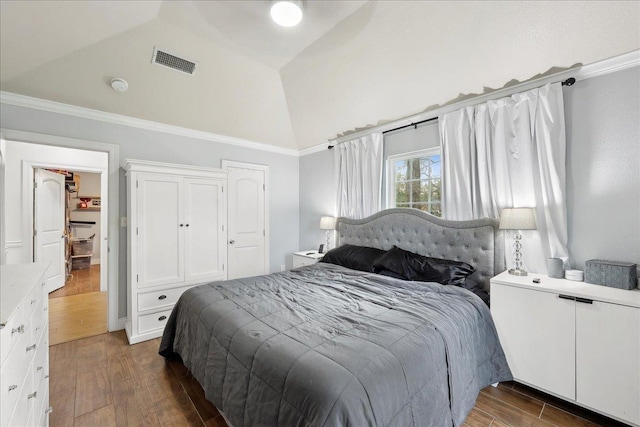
[46,376]
[161,318]
[13,387]
[33,301]
[584,300]
[31,347]
[48,410]
[32,395]
[569,297]
[44,283]
[19,329]
[39,368]
[162,297]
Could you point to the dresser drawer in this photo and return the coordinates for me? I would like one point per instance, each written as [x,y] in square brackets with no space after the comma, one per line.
[42,410]
[23,404]
[158,299]
[12,379]
[41,361]
[14,329]
[150,322]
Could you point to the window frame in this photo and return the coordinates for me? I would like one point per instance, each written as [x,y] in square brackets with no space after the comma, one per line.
[391,179]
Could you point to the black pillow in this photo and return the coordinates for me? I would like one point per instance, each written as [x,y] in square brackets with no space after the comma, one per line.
[413,266]
[354,257]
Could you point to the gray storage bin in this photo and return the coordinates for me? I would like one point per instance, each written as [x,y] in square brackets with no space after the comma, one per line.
[616,274]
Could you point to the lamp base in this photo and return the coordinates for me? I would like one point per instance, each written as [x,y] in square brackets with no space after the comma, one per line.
[518,272]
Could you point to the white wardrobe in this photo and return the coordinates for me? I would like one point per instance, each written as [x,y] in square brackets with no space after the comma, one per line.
[176,238]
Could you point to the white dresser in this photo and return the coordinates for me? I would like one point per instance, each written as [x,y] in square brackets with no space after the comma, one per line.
[176,239]
[302,258]
[577,341]
[24,345]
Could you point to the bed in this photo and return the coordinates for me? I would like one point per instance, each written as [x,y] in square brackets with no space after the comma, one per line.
[326,345]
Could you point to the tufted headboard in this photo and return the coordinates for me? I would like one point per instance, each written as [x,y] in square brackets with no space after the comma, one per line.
[477,242]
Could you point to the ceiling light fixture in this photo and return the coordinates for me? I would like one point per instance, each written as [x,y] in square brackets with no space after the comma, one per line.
[119,85]
[286,13]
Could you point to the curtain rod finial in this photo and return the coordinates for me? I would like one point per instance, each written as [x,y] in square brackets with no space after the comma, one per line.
[569,82]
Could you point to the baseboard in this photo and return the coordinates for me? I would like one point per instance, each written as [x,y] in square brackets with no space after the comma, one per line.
[121,322]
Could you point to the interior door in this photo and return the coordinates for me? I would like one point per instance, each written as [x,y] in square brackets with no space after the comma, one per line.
[49,239]
[247,255]
[205,236]
[160,228]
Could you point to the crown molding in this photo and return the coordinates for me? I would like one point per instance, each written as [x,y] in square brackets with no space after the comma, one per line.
[600,68]
[314,149]
[18,100]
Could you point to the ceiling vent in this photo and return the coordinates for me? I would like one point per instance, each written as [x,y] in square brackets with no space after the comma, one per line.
[166,59]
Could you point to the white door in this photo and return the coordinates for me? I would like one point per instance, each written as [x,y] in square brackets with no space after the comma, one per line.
[205,236]
[247,236]
[608,359]
[49,238]
[160,229]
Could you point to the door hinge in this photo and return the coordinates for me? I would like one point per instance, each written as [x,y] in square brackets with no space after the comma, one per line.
[222,267]
[35,184]
[137,278]
[136,231]
[136,183]
[222,227]
[223,188]
[35,232]
[263,188]
[264,233]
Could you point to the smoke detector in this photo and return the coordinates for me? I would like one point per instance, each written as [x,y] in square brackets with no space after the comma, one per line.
[119,85]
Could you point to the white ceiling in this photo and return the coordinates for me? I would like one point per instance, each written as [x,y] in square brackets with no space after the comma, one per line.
[348,64]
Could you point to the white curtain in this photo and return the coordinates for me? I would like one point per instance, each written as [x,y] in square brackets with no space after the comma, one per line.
[510,152]
[359,176]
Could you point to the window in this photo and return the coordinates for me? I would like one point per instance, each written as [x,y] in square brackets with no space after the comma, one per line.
[414,181]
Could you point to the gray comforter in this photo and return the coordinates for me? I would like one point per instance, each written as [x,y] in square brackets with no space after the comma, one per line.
[328,346]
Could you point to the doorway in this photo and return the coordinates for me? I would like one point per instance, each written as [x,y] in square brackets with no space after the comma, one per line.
[78,305]
[26,151]
[67,234]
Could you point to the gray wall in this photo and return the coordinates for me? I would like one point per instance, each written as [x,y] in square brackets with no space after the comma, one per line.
[149,145]
[603,161]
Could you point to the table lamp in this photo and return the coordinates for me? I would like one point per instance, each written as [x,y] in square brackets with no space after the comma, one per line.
[327,223]
[517,219]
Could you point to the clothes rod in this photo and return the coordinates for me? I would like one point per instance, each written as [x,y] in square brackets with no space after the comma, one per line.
[568,82]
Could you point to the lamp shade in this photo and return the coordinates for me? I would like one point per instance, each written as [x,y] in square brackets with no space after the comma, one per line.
[517,219]
[327,223]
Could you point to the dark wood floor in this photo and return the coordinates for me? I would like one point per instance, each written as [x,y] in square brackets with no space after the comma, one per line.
[103,381]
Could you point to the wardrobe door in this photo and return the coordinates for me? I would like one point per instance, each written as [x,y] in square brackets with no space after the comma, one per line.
[205,235]
[159,230]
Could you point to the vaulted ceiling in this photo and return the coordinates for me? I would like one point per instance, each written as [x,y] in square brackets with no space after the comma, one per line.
[348,64]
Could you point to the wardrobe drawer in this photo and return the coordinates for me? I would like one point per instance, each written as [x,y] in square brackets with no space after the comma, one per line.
[42,410]
[158,299]
[149,322]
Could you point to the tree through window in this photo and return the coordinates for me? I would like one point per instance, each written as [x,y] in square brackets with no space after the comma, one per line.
[415,181]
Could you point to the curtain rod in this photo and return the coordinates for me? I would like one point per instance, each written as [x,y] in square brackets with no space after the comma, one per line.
[568,82]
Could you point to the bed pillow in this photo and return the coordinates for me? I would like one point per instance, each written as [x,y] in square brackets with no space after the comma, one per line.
[413,266]
[354,257]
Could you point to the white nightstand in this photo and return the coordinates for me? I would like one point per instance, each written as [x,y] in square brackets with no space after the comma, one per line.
[302,258]
[577,341]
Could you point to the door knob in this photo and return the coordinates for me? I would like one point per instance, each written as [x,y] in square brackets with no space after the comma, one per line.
[231,242]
